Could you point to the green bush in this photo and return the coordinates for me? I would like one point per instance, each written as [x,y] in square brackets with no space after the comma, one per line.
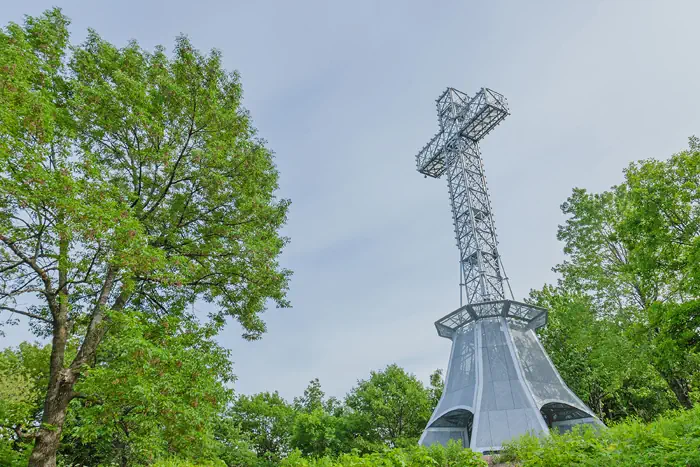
[671,440]
[437,456]
[175,462]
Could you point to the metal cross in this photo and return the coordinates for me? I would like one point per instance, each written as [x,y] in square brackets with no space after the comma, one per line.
[464,121]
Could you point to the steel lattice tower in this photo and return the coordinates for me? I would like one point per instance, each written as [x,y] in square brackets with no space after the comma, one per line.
[500,383]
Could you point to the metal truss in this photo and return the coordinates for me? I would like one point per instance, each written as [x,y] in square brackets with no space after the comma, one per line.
[535,317]
[454,150]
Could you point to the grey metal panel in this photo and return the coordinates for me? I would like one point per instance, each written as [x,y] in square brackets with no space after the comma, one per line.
[504,397]
[500,431]
[461,376]
[516,379]
[534,420]
[543,379]
[491,333]
[519,399]
[483,433]
[512,372]
[488,398]
[462,367]
[450,399]
[518,421]
[497,360]
[545,392]
[486,367]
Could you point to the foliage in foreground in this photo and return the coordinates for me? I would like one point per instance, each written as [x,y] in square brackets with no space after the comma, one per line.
[415,456]
[158,388]
[673,439]
[158,392]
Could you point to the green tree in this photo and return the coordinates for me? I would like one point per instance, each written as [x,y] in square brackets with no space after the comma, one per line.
[234,447]
[599,360]
[674,339]
[312,398]
[20,395]
[157,389]
[437,386]
[391,407]
[320,425]
[23,377]
[128,179]
[319,433]
[634,247]
[268,420]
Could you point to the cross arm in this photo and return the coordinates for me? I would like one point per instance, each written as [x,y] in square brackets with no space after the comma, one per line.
[431,159]
[484,111]
[472,120]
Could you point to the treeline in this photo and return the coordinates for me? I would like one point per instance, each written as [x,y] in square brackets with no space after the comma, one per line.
[159,389]
[624,321]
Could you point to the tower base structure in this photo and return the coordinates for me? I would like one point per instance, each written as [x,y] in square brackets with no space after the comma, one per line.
[500,382]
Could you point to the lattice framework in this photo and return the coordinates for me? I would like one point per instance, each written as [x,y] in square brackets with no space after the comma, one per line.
[454,151]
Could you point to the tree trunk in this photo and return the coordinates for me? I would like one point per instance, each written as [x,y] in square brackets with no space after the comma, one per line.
[61,379]
[680,388]
[58,395]
[55,408]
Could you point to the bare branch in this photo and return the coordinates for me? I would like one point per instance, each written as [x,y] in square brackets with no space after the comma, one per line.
[26,313]
[42,274]
[185,150]
[96,330]
[11,266]
[19,431]
[22,291]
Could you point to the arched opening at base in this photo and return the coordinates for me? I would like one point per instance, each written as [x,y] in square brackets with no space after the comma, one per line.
[563,417]
[455,424]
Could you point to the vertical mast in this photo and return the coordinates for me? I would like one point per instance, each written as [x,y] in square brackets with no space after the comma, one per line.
[471,208]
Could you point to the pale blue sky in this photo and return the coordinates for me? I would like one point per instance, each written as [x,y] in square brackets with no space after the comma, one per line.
[344,94]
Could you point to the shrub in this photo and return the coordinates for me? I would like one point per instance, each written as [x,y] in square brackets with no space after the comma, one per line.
[175,462]
[673,439]
[437,456]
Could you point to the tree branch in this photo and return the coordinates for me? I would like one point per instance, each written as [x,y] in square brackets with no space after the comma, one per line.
[44,277]
[181,156]
[21,434]
[96,328]
[88,397]
[11,266]
[26,313]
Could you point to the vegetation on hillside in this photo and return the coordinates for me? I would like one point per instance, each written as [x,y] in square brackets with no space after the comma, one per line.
[624,318]
[671,440]
[132,185]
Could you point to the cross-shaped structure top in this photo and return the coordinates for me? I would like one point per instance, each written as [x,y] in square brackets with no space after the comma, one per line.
[454,151]
[464,121]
